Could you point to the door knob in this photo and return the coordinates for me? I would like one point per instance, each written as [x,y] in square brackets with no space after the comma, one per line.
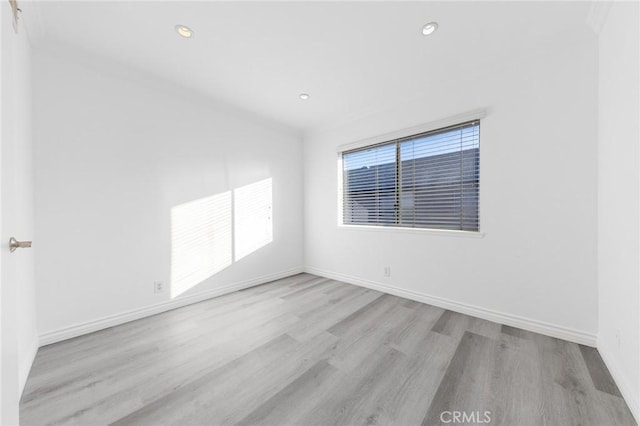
[14,244]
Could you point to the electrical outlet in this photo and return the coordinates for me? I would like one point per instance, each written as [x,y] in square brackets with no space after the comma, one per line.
[158,287]
[387,271]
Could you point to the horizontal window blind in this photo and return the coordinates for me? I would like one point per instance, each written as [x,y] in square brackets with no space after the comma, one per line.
[429,180]
[370,191]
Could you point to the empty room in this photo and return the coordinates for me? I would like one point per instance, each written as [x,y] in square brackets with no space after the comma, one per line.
[320,213]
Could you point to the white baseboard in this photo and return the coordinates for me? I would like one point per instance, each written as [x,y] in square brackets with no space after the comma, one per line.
[26,362]
[622,380]
[536,326]
[121,318]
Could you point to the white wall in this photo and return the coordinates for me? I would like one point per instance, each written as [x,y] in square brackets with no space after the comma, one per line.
[537,260]
[113,156]
[618,199]
[17,194]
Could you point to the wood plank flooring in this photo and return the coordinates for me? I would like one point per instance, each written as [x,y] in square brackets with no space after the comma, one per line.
[311,351]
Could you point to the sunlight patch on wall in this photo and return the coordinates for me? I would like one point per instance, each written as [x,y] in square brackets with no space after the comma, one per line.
[253,222]
[201,240]
[209,234]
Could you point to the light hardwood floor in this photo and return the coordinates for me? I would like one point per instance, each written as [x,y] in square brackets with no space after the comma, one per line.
[311,351]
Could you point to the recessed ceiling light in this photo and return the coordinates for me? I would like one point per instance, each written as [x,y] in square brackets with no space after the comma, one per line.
[429,28]
[304,96]
[184,31]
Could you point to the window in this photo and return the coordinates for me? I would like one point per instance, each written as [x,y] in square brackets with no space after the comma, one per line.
[429,180]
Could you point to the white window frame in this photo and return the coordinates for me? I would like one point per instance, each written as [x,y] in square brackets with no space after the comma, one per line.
[388,137]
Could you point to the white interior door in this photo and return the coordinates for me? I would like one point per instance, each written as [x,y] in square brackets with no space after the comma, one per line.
[16,211]
[9,398]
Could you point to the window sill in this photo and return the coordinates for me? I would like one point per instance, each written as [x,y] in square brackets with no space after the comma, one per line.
[422,231]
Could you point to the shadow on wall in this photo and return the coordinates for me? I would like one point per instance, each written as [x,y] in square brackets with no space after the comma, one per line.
[211,233]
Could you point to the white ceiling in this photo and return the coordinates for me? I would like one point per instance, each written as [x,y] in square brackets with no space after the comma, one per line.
[354,58]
